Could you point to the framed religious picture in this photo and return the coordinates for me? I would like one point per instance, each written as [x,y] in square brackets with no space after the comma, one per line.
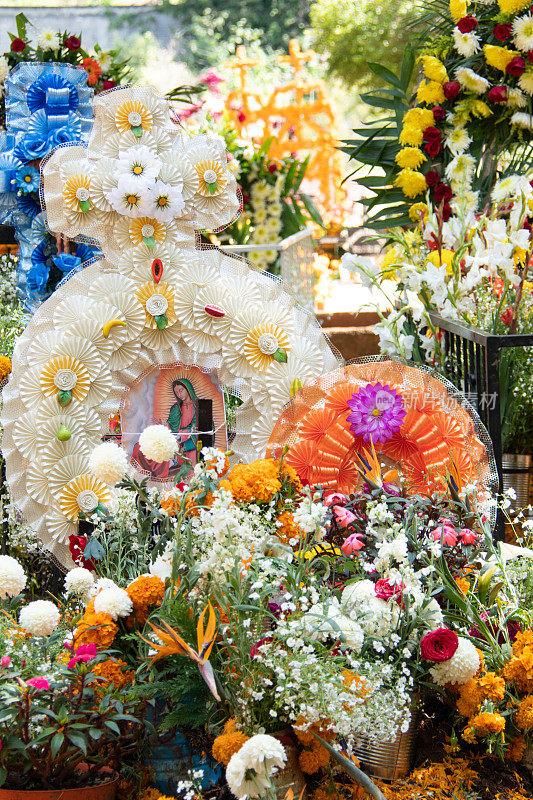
[185,399]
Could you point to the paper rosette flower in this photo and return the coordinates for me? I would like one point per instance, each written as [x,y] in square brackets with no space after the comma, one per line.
[82,495]
[430,428]
[157,300]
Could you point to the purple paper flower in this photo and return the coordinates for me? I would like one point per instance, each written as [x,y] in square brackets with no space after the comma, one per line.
[377,412]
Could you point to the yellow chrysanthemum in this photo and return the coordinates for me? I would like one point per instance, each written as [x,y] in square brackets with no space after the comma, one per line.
[417,211]
[480,109]
[419,118]
[498,57]
[143,228]
[430,92]
[82,495]
[391,257]
[77,193]
[65,374]
[263,342]
[157,299]
[411,182]
[411,136]
[5,367]
[410,157]
[457,9]
[434,69]
[213,179]
[512,6]
[440,257]
[133,115]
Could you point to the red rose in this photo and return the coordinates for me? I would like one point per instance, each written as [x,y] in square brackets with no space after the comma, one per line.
[439,645]
[498,94]
[272,168]
[384,590]
[18,45]
[467,24]
[432,177]
[433,148]
[516,67]
[72,43]
[442,192]
[502,32]
[241,116]
[507,317]
[431,132]
[438,113]
[530,56]
[109,85]
[451,89]
[76,545]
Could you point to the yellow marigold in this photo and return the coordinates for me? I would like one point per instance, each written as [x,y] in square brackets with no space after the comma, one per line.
[288,529]
[410,157]
[512,6]
[98,629]
[492,687]
[411,136]
[227,745]
[470,697]
[498,57]
[462,583]
[411,182]
[418,211]
[145,591]
[5,367]
[434,69]
[486,723]
[430,92]
[516,749]
[291,475]
[519,669]
[115,671]
[255,482]
[419,118]
[524,715]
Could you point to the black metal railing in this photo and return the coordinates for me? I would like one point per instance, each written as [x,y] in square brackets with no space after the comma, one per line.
[472,364]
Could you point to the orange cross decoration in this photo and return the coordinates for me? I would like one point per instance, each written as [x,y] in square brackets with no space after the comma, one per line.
[300,117]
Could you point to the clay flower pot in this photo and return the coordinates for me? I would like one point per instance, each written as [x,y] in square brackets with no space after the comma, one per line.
[102,791]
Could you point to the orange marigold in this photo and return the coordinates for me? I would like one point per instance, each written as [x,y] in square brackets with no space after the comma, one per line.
[227,745]
[170,503]
[312,759]
[524,715]
[519,669]
[463,585]
[256,482]
[145,591]
[93,70]
[487,723]
[98,629]
[113,671]
[288,529]
[470,697]
[195,503]
[516,749]
[492,686]
[469,735]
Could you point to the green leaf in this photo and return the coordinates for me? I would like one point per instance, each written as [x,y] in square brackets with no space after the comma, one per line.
[21,21]
[95,733]
[149,242]
[3,775]
[212,187]
[56,744]
[385,74]
[161,321]
[112,726]
[289,177]
[137,131]
[311,209]
[85,205]
[78,741]
[280,355]
[64,397]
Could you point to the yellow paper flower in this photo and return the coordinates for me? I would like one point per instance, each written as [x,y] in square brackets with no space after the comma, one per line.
[133,115]
[411,182]
[213,179]
[410,157]
[82,495]
[142,228]
[157,299]
[431,93]
[411,136]
[457,9]
[434,69]
[262,343]
[77,193]
[63,374]
[498,57]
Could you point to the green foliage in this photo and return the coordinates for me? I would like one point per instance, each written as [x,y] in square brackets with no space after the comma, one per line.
[349,32]
[377,143]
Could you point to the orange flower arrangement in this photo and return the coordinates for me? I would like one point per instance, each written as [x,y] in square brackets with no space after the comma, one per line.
[194,504]
[486,723]
[113,671]
[98,629]
[170,504]
[259,481]
[288,529]
[492,686]
[519,669]
[145,591]
[93,70]
[313,756]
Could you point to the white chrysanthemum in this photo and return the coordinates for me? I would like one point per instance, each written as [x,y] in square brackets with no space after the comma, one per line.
[467,203]
[506,189]
[12,577]
[164,202]
[466,44]
[245,783]
[79,581]
[432,614]
[523,33]
[157,442]
[264,754]
[460,668]
[139,163]
[161,568]
[114,601]
[104,59]
[4,68]
[471,81]
[48,40]
[102,583]
[461,168]
[522,120]
[516,98]
[356,593]
[525,82]
[457,141]
[129,197]
[376,617]
[39,618]
[108,462]
[352,633]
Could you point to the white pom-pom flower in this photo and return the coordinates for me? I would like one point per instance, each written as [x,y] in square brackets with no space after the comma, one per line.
[250,769]
[242,782]
[79,581]
[39,618]
[113,601]
[460,668]
[161,568]
[157,442]
[12,577]
[102,583]
[108,462]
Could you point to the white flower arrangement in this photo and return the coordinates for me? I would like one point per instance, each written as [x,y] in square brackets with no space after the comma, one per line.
[460,668]
[79,581]
[250,770]
[12,577]
[39,618]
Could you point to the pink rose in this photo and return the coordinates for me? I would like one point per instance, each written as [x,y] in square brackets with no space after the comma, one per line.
[353,543]
[41,684]
[385,590]
[467,536]
[5,661]
[335,497]
[445,533]
[343,516]
[439,645]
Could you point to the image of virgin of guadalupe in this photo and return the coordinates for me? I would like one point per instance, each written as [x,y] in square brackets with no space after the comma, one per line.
[183,422]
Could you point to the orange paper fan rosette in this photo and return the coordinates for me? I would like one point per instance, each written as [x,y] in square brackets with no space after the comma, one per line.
[439,426]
